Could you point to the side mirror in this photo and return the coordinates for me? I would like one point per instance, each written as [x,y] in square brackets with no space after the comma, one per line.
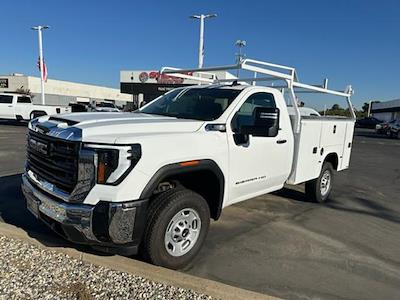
[266,123]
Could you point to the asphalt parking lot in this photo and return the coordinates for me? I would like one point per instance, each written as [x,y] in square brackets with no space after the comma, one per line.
[280,244]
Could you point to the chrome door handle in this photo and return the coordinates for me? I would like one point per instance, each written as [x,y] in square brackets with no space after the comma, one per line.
[281,141]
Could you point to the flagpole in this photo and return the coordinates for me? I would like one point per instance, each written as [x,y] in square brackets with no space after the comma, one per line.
[39,30]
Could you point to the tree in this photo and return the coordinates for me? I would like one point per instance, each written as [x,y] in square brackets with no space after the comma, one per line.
[365,107]
[336,107]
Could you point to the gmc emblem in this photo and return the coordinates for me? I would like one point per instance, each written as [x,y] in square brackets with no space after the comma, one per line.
[38,146]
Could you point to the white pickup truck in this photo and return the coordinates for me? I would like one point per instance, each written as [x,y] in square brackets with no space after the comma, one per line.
[152,179]
[20,107]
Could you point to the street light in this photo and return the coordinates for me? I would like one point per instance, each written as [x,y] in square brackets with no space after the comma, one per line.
[201,42]
[240,44]
[39,29]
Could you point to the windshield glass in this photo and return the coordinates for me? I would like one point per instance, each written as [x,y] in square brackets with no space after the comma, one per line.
[205,104]
[105,104]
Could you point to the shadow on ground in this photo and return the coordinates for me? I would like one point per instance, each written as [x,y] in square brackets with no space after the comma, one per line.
[14,123]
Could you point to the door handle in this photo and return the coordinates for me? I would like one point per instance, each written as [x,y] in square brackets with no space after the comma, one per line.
[281,141]
[9,105]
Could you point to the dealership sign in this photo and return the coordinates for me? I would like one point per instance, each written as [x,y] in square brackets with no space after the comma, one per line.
[155,77]
[4,83]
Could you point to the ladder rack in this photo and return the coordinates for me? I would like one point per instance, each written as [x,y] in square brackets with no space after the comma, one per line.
[270,72]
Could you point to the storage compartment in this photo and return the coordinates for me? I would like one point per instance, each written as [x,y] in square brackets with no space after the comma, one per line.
[318,137]
[348,144]
[306,151]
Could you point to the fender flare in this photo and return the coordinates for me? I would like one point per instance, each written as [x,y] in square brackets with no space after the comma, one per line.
[177,169]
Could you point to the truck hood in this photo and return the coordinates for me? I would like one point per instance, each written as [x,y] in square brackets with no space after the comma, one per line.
[108,127]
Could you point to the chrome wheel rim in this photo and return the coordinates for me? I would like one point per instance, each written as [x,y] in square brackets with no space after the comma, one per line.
[325,183]
[182,232]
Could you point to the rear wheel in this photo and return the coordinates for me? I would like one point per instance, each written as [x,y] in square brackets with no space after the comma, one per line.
[319,189]
[177,226]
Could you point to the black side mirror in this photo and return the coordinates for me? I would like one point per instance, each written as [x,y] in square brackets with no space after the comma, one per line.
[266,123]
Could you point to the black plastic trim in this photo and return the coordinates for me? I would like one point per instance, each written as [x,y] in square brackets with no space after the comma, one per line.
[177,169]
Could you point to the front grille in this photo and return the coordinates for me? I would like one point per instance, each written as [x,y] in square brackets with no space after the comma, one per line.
[53,160]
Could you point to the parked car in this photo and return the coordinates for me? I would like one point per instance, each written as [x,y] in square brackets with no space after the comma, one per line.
[394,129]
[382,128]
[153,179]
[367,122]
[20,107]
[106,107]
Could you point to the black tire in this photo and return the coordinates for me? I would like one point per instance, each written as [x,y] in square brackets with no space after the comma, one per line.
[314,189]
[162,211]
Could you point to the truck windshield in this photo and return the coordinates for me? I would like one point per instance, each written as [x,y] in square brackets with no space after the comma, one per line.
[105,104]
[204,104]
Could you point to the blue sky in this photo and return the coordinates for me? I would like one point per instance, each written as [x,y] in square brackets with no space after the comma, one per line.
[355,42]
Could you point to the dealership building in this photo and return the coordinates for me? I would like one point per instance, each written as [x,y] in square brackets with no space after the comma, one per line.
[386,111]
[147,85]
[60,92]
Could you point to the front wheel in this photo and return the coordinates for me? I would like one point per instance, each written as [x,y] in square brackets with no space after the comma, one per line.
[177,227]
[319,189]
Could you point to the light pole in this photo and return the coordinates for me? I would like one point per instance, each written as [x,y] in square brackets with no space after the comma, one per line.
[369,108]
[201,42]
[240,44]
[39,29]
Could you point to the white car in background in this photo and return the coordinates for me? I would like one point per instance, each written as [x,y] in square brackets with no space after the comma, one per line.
[106,107]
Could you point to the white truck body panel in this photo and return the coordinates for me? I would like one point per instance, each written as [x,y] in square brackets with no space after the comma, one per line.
[319,137]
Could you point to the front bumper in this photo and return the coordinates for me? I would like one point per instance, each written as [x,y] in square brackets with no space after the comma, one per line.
[110,227]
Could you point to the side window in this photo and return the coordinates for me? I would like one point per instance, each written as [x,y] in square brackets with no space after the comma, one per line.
[5,99]
[24,100]
[245,115]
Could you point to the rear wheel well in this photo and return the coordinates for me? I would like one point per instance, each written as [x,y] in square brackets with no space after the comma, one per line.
[333,159]
[37,113]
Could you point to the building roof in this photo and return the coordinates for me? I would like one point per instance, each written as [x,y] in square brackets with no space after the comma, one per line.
[65,88]
[387,106]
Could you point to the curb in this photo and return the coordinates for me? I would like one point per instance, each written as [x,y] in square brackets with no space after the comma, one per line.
[154,273]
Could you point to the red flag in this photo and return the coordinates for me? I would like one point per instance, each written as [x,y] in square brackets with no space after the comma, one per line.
[44,69]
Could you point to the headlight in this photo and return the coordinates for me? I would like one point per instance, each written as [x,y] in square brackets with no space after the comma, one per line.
[113,163]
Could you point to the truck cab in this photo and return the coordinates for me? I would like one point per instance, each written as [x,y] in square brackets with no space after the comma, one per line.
[12,105]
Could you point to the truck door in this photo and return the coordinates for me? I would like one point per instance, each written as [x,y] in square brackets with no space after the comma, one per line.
[262,164]
[23,107]
[6,107]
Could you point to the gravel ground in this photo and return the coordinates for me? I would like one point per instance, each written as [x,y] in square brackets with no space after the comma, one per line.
[29,272]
